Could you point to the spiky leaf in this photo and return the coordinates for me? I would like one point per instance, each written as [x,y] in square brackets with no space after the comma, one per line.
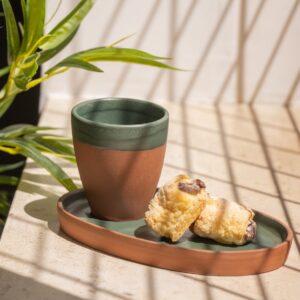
[9,167]
[68,25]
[127,55]
[34,21]
[54,169]
[17,130]
[45,55]
[12,34]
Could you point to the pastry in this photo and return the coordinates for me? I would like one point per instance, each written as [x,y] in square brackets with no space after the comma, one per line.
[176,206]
[225,221]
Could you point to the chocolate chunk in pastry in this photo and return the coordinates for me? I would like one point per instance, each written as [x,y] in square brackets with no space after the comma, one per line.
[250,231]
[176,206]
[226,222]
[192,187]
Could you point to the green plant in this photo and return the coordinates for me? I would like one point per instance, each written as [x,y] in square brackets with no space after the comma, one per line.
[4,195]
[28,48]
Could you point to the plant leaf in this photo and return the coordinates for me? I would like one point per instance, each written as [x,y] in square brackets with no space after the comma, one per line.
[37,81]
[23,6]
[78,63]
[21,81]
[68,25]
[55,12]
[40,41]
[116,54]
[5,104]
[24,25]
[59,148]
[54,169]
[4,71]
[13,39]
[9,167]
[9,150]
[102,52]
[121,40]
[48,54]
[34,20]
[27,69]
[29,65]
[17,130]
[51,137]
[4,206]
[21,27]
[9,180]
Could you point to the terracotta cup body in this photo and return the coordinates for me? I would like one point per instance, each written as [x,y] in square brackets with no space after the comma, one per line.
[119,146]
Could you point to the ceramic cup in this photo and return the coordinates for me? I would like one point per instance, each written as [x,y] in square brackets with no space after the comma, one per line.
[119,145]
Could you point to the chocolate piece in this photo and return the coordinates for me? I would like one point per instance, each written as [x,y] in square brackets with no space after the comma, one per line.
[200,183]
[250,231]
[192,187]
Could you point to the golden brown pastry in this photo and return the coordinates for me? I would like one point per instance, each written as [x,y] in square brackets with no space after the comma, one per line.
[226,222]
[176,206]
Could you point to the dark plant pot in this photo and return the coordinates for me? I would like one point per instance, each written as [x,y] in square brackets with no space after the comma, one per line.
[119,146]
[25,108]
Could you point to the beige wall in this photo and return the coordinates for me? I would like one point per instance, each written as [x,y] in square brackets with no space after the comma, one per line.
[246,50]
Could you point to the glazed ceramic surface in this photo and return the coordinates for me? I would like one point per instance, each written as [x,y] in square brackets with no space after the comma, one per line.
[120,124]
[133,240]
[119,146]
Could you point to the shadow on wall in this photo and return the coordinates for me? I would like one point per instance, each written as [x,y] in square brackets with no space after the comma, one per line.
[222,60]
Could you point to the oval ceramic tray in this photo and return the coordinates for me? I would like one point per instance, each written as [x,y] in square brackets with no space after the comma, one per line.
[134,241]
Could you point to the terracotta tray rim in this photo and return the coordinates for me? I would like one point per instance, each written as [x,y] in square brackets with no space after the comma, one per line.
[284,243]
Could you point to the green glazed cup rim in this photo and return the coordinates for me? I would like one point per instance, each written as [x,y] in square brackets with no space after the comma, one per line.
[148,132]
[76,114]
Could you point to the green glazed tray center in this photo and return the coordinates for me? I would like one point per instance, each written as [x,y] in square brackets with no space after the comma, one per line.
[269,232]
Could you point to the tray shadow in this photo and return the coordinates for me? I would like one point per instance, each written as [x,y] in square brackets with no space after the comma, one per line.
[144,232]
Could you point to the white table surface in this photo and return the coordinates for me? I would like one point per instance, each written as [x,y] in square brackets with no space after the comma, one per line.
[249,154]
